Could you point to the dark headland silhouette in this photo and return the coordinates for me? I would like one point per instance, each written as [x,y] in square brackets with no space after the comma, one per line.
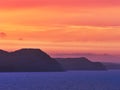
[35,60]
[27,60]
[80,64]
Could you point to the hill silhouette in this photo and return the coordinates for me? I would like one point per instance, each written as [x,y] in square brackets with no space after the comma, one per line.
[111,65]
[80,64]
[27,60]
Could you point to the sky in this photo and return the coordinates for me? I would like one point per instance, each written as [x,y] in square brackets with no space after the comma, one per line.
[61,26]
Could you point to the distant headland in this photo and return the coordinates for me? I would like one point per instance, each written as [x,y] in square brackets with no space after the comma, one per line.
[80,64]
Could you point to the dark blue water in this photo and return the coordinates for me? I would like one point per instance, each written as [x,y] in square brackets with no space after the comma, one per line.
[79,80]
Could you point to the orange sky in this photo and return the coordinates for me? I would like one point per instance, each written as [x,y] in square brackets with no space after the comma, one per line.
[61,26]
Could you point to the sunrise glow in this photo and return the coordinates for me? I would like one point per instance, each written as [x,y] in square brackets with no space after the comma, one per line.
[61,26]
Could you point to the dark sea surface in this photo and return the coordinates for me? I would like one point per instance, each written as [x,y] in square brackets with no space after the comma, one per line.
[72,80]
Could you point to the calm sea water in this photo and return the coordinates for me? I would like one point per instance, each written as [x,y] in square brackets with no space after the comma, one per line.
[72,80]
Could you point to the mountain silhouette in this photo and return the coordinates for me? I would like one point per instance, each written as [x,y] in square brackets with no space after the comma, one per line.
[27,60]
[80,64]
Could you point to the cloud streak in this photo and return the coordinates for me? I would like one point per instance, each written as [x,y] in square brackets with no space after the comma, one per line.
[65,33]
[57,3]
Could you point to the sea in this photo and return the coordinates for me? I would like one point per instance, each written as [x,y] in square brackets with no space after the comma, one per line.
[70,80]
